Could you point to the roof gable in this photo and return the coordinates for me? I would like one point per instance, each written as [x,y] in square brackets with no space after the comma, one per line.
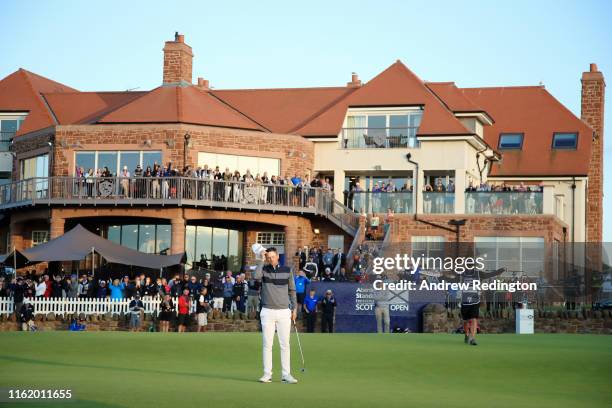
[395,86]
[20,91]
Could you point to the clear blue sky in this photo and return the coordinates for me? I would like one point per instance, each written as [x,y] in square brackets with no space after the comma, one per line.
[116,45]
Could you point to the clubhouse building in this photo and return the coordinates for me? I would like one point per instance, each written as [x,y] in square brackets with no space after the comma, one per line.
[494,165]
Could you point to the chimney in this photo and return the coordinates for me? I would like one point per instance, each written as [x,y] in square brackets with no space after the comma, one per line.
[355,81]
[178,60]
[592,112]
[203,84]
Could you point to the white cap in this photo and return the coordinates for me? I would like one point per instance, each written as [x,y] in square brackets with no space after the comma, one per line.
[257,248]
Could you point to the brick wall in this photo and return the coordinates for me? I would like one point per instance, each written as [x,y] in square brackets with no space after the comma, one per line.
[592,112]
[296,154]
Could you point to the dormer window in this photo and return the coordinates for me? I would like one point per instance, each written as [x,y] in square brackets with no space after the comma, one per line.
[9,125]
[565,140]
[510,141]
[381,128]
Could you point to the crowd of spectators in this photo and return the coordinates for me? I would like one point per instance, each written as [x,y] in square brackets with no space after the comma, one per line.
[201,183]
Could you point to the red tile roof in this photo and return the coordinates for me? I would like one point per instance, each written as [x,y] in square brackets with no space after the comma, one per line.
[20,91]
[184,104]
[398,86]
[86,107]
[282,110]
[533,111]
[452,97]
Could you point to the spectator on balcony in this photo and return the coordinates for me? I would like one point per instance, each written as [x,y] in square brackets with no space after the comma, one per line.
[136,308]
[125,182]
[166,312]
[184,304]
[357,193]
[116,291]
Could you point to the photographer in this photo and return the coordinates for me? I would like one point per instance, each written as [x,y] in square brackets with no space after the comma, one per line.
[26,315]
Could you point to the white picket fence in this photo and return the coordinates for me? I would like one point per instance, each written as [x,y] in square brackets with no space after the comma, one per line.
[68,306]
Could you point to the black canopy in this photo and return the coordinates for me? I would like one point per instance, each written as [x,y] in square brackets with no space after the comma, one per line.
[78,243]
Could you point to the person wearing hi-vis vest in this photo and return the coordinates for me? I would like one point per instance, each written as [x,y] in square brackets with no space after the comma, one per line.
[278,309]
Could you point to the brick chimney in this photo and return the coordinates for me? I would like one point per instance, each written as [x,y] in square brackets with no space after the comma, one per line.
[592,112]
[203,84]
[355,81]
[178,60]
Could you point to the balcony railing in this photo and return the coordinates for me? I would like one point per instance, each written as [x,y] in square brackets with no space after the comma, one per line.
[503,202]
[438,202]
[369,202]
[378,138]
[177,191]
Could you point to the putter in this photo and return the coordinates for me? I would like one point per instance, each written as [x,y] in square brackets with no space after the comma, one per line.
[297,335]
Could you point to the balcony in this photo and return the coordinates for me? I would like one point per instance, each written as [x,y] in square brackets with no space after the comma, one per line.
[379,138]
[177,191]
[401,202]
[504,202]
[438,202]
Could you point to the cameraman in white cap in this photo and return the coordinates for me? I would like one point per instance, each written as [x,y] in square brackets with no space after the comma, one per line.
[278,310]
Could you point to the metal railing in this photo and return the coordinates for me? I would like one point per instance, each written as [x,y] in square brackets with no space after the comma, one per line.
[177,191]
[438,202]
[378,138]
[503,202]
[370,202]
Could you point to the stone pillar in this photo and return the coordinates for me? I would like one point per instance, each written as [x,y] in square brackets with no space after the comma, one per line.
[178,235]
[339,185]
[460,185]
[592,112]
[57,227]
[291,245]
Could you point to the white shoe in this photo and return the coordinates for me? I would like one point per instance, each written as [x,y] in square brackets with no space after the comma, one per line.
[266,379]
[289,380]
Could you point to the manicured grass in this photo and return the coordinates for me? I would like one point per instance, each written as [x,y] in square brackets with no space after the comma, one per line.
[120,369]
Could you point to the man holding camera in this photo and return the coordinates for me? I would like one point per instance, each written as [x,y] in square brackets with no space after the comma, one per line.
[278,310]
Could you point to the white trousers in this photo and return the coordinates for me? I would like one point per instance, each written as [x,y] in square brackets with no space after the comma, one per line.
[280,321]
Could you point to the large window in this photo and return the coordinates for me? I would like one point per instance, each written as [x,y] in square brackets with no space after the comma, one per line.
[376,128]
[256,165]
[116,160]
[35,167]
[271,238]
[39,237]
[517,254]
[213,248]
[148,238]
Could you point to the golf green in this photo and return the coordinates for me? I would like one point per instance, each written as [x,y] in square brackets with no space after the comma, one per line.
[121,369]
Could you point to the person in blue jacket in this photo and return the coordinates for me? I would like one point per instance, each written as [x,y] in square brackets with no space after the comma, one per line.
[116,291]
[301,281]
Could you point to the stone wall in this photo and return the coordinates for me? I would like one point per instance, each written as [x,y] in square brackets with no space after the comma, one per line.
[436,319]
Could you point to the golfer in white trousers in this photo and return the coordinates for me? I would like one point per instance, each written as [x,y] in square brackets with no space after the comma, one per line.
[278,310]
